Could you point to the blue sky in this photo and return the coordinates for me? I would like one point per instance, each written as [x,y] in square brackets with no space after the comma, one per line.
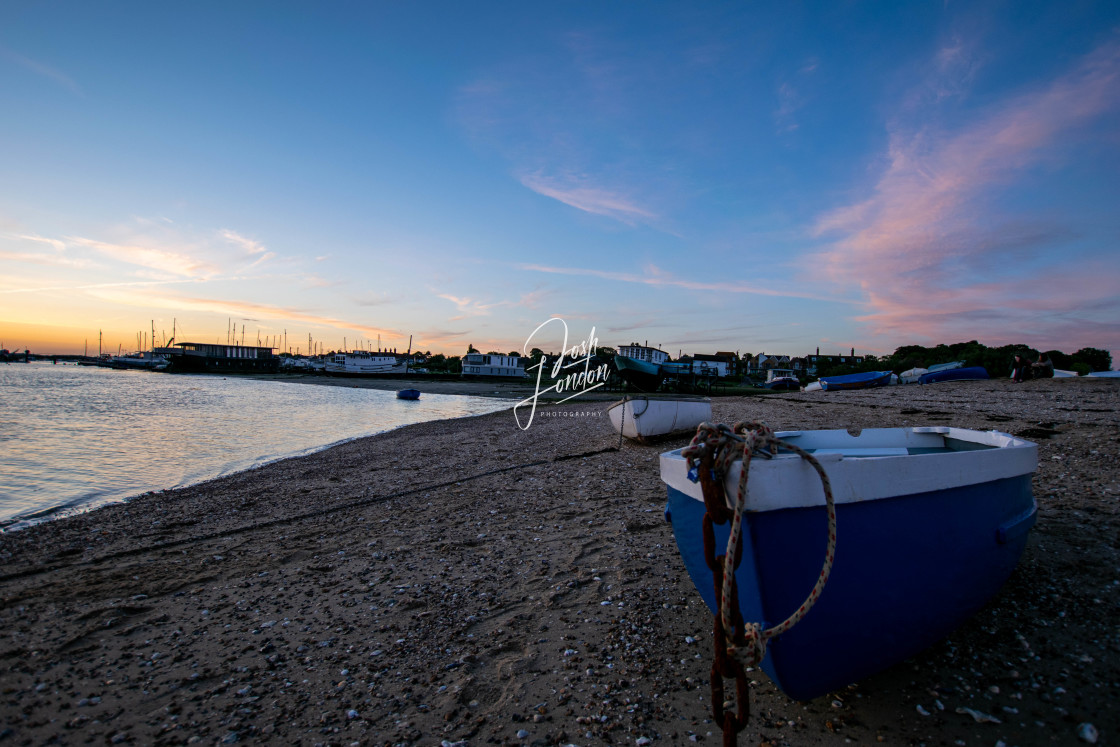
[718,177]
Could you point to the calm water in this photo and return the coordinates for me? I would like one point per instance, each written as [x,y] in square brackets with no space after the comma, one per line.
[74,437]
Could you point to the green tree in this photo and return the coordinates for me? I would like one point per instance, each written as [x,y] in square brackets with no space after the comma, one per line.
[1097,359]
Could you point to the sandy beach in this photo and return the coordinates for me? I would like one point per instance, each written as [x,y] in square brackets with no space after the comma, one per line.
[472,583]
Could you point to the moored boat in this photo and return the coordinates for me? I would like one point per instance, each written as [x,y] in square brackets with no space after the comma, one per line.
[930,523]
[143,361]
[408,394]
[856,381]
[972,373]
[364,363]
[201,357]
[784,383]
[644,418]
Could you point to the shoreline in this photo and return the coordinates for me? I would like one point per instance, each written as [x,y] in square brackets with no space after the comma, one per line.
[512,390]
[466,580]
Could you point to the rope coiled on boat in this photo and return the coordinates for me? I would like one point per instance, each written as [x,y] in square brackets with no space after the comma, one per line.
[738,644]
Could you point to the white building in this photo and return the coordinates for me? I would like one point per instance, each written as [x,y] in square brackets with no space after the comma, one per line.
[710,365]
[488,364]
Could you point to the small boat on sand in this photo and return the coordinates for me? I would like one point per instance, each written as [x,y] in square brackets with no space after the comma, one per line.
[856,381]
[643,418]
[930,523]
[972,373]
[911,375]
[784,384]
[408,394]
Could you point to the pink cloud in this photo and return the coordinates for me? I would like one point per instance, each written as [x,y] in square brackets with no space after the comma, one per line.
[934,258]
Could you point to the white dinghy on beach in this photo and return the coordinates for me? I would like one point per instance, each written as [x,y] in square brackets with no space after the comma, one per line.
[643,418]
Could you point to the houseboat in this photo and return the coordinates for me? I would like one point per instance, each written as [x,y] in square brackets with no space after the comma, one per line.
[364,363]
[489,364]
[201,357]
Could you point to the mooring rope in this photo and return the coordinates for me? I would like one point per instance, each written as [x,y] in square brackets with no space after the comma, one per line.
[711,454]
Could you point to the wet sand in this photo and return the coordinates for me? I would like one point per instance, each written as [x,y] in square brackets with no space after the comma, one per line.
[469,582]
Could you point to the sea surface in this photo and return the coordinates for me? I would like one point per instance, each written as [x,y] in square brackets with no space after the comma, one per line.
[75,437]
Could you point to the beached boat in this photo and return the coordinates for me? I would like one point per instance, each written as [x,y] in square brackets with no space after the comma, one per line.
[643,375]
[813,386]
[784,383]
[911,375]
[930,524]
[972,373]
[945,366]
[1105,374]
[408,394]
[856,381]
[364,363]
[645,418]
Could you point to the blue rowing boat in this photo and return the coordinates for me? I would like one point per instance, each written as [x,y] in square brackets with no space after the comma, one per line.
[856,381]
[408,394]
[972,373]
[930,523]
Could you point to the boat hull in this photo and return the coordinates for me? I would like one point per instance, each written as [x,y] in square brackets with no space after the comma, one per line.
[973,373]
[408,394]
[908,570]
[647,418]
[642,375]
[856,381]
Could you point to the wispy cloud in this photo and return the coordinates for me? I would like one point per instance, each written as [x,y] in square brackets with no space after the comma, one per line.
[249,246]
[929,247]
[41,69]
[568,121]
[470,307]
[657,277]
[163,260]
[583,195]
[56,244]
[789,101]
[52,260]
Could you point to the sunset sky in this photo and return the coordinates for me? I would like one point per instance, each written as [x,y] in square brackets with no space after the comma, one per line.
[711,176]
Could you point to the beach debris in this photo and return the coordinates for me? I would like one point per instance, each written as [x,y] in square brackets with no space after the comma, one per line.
[1086,732]
[978,717]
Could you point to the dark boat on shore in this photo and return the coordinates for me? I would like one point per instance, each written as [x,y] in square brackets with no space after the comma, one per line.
[408,394]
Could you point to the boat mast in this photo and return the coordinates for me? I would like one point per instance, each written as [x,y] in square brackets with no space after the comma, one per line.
[408,355]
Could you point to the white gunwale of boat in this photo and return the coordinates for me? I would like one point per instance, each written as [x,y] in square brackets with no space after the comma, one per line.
[873,466]
[634,418]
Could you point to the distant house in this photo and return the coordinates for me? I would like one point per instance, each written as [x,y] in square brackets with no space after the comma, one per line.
[643,353]
[718,365]
[816,361]
[735,367]
[488,364]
